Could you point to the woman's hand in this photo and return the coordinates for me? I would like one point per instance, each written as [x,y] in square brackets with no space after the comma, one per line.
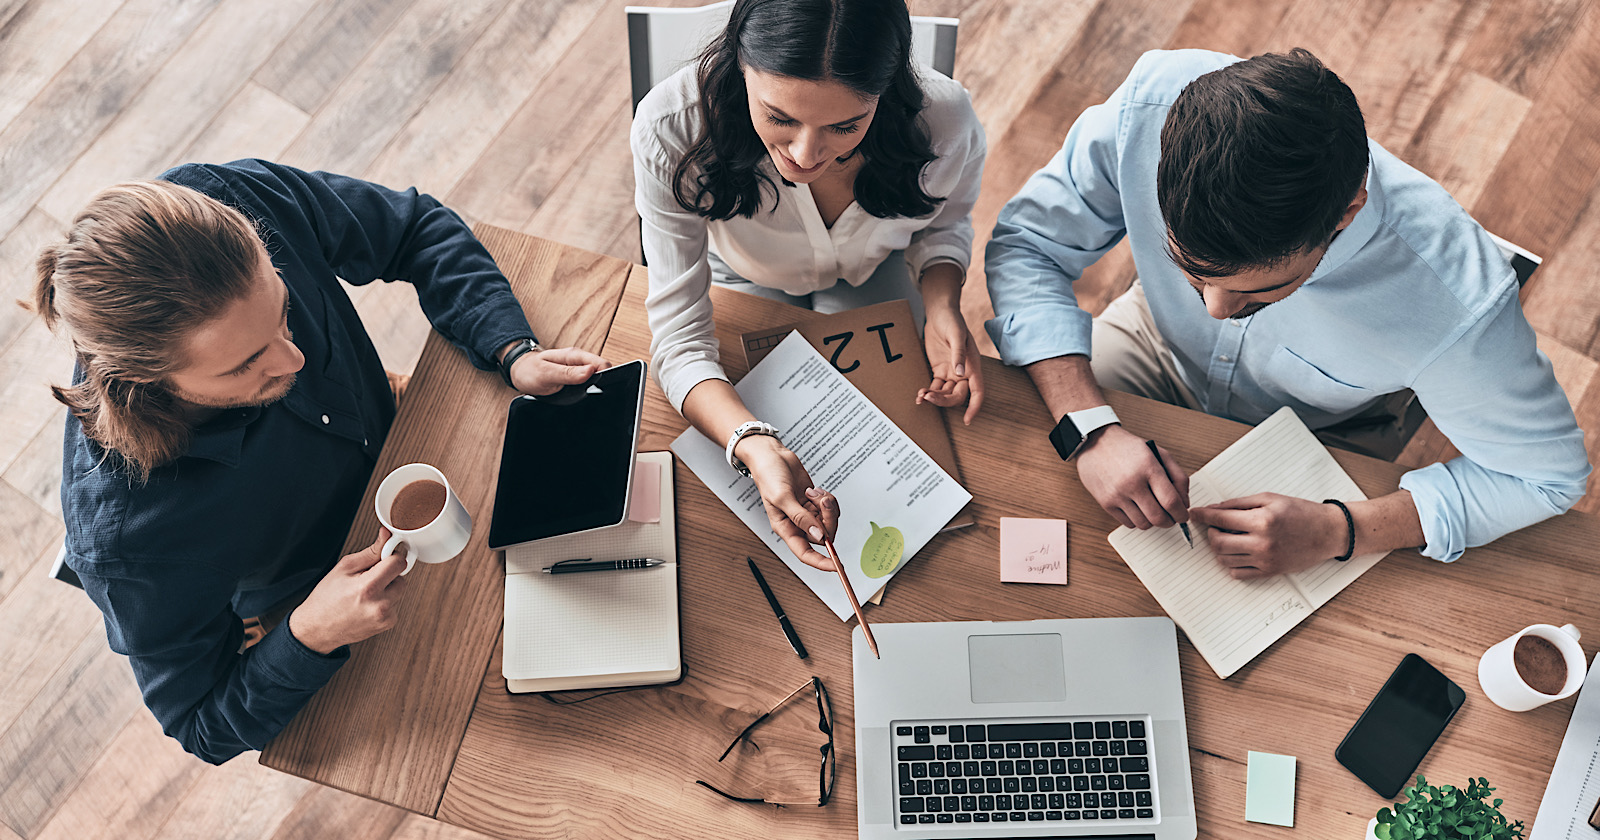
[800,514]
[957,368]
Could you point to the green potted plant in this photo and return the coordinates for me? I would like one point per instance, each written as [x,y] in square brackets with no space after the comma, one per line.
[1444,812]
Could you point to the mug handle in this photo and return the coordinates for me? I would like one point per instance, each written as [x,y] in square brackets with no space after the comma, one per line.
[1572,631]
[411,553]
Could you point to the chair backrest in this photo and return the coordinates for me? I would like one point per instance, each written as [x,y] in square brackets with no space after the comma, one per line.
[662,40]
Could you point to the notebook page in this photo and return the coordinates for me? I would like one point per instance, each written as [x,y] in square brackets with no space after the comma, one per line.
[595,622]
[1229,621]
[1283,456]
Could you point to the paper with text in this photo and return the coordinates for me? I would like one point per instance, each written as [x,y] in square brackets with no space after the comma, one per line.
[1033,550]
[1574,785]
[1230,621]
[892,497]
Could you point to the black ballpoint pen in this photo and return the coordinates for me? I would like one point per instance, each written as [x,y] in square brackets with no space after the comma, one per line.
[777,610]
[570,566]
[1164,471]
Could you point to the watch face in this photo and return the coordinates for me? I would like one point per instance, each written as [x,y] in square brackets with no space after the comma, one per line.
[1066,438]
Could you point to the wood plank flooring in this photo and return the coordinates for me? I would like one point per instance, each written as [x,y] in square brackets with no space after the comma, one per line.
[516,112]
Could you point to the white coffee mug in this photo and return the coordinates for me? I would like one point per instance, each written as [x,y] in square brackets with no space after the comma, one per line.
[439,540]
[1497,670]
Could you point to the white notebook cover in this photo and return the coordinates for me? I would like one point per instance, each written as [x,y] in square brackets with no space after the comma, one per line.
[1232,621]
[596,629]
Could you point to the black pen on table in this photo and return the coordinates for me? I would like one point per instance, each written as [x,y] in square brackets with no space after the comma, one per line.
[777,610]
[569,566]
[1168,473]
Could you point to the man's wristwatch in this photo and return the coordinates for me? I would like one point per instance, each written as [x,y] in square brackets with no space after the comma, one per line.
[1069,434]
[517,351]
[754,427]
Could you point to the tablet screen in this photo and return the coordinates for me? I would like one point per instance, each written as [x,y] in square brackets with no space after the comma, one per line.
[568,459]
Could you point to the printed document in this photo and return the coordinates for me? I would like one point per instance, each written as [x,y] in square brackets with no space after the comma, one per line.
[892,497]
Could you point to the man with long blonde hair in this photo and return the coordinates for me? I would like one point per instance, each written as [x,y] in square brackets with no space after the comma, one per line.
[226,413]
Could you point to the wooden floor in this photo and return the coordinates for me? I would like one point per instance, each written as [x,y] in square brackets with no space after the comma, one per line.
[516,112]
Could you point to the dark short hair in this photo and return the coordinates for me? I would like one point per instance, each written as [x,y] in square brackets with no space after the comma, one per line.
[1259,161]
[863,44]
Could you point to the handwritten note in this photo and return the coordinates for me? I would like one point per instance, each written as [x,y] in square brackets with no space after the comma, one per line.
[1033,550]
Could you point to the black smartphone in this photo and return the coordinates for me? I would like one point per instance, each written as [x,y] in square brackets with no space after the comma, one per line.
[1400,725]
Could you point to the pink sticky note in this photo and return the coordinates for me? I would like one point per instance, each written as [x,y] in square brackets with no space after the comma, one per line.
[645,504]
[1033,550]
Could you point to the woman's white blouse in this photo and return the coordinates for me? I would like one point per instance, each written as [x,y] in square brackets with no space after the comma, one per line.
[784,247]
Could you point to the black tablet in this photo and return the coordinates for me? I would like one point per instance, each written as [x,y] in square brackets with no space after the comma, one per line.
[567,463]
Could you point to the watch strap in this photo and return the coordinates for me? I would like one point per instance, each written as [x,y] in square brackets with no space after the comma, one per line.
[517,351]
[752,427]
[1080,424]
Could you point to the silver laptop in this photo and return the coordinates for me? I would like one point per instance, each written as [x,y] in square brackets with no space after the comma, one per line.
[1053,728]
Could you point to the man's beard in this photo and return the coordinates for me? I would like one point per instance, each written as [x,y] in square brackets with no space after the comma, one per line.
[275,389]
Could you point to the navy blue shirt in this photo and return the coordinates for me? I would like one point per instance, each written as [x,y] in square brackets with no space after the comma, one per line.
[259,506]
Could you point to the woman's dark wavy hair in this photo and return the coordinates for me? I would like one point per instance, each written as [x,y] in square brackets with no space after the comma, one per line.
[863,44]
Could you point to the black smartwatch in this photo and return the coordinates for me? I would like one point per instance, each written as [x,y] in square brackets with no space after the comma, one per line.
[1069,434]
[517,351]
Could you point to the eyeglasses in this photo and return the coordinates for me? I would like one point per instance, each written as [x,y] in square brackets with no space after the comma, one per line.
[824,723]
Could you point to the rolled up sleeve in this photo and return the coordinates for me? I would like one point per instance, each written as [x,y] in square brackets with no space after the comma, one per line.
[1495,396]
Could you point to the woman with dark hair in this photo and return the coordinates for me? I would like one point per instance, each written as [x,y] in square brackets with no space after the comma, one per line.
[805,158]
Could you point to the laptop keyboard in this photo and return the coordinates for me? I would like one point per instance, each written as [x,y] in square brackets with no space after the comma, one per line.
[1033,771]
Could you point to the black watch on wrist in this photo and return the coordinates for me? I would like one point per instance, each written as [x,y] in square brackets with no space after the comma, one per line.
[517,351]
[1076,426]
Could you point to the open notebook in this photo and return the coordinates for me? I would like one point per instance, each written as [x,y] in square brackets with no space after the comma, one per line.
[1231,621]
[596,629]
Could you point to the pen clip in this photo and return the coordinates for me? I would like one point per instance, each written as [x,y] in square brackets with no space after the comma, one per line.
[575,560]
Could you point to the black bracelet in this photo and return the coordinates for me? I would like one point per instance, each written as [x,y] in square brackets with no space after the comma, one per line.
[517,351]
[1350,547]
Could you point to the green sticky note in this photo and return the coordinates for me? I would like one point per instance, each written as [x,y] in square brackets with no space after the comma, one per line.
[1269,789]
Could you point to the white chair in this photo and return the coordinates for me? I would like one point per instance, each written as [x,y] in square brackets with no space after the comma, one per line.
[662,40]
[61,571]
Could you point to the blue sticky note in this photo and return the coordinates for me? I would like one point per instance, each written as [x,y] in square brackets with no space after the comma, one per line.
[1269,789]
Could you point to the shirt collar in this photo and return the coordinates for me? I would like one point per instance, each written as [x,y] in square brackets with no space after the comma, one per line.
[222,438]
[1360,231]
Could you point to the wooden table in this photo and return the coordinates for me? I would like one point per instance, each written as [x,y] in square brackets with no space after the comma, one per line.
[401,723]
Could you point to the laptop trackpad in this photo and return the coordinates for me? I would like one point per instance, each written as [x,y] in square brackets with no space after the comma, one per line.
[1017,668]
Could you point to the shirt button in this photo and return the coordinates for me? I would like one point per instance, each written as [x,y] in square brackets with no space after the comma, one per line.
[325,417]
[1219,358]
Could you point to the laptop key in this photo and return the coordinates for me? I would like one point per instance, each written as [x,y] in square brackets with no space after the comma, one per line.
[1057,801]
[1047,783]
[1083,730]
[1040,767]
[1018,816]
[1142,798]
[1138,781]
[902,730]
[958,733]
[1075,765]
[1029,784]
[1029,731]
[1013,750]
[1097,783]
[969,768]
[1070,815]
[1116,782]
[908,819]
[963,752]
[1058,766]
[1080,782]
[1013,785]
[980,751]
[1119,748]
[969,803]
[1000,816]
[1074,800]
[1091,765]
[1038,801]
[1137,748]
[1091,800]
[975,732]
[920,735]
[1052,815]
[1030,750]
[952,803]
[1107,814]
[910,804]
[925,819]
[908,788]
[1102,729]
[941,786]
[963,817]
[1135,764]
[924,788]
[952,768]
[947,818]
[919,770]
[1125,800]
[1102,748]
[992,785]
[936,769]
[932,803]
[1119,729]
[1003,802]
[939,730]
[914,753]
[1081,749]
[943,752]
[958,785]
[1048,749]
[1006,768]
[1035,816]
[1145,814]
[978,818]
[1136,729]
[1091,815]
[905,772]
[1125,814]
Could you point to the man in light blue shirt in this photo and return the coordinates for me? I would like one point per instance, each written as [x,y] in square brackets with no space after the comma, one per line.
[1284,260]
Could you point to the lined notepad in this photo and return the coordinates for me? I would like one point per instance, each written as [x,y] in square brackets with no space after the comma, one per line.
[1231,621]
[596,629]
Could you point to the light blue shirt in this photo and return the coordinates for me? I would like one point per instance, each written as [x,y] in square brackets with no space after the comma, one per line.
[1413,294]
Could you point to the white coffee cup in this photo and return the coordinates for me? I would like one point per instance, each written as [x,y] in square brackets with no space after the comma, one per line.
[439,540]
[1497,670]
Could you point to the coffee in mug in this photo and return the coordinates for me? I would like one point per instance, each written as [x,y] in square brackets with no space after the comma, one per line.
[1537,665]
[415,502]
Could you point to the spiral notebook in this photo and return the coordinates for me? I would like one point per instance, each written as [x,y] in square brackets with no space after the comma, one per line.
[1232,621]
[596,629]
